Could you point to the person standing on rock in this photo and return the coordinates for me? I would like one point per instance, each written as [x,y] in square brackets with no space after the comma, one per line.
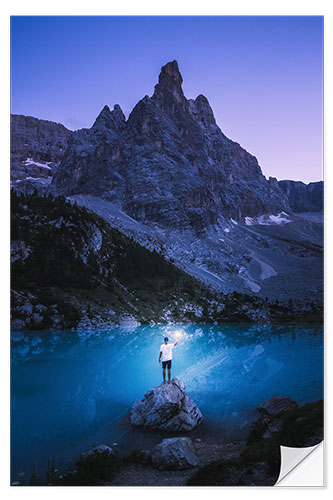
[166,355]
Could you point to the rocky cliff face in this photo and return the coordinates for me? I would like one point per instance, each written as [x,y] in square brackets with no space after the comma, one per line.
[304,197]
[169,163]
[37,147]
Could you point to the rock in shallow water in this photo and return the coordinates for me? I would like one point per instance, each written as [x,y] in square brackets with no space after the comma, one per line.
[166,407]
[276,405]
[175,454]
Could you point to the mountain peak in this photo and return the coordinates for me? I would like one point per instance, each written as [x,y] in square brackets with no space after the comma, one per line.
[114,119]
[106,109]
[118,114]
[170,73]
[169,163]
[104,116]
[169,87]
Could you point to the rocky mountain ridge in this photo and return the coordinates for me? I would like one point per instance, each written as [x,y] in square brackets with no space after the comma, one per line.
[168,163]
[169,156]
[304,197]
[178,133]
[36,149]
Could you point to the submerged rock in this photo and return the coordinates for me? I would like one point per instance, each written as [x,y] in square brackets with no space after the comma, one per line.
[174,454]
[166,407]
[102,448]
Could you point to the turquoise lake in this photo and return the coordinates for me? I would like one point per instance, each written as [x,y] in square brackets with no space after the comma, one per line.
[70,390]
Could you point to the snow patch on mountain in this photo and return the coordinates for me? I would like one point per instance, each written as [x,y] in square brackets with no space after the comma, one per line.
[42,180]
[266,220]
[31,161]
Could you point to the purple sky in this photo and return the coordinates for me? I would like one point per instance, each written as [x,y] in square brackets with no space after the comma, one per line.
[261,75]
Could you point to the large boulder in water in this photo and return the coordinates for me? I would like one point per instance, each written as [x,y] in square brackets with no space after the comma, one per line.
[174,454]
[166,407]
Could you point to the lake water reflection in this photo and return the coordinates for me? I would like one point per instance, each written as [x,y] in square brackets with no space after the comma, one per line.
[71,390]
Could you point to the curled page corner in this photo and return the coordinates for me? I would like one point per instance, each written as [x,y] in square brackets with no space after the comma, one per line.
[302,466]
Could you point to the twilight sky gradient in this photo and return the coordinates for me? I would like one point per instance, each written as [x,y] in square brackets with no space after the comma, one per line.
[263,76]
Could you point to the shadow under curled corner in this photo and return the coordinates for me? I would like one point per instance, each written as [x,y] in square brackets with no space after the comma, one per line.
[302,466]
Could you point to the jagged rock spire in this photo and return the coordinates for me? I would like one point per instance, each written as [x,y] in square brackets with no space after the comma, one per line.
[169,90]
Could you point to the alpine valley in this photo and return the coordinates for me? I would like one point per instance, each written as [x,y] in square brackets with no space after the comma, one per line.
[157,218]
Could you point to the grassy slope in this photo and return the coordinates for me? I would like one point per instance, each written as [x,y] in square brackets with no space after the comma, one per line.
[63,267]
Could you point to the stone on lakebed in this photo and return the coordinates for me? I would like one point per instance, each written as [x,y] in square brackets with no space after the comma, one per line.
[174,454]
